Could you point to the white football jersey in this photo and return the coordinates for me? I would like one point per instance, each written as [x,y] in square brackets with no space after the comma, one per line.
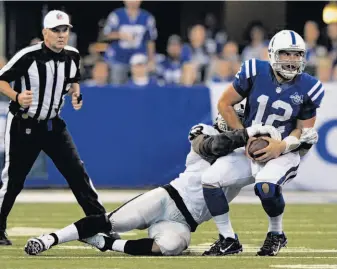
[188,184]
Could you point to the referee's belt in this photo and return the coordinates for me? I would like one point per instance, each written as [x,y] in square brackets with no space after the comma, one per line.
[25,116]
[174,194]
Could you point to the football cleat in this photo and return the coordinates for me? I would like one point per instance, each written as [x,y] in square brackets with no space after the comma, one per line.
[4,241]
[224,246]
[272,244]
[35,246]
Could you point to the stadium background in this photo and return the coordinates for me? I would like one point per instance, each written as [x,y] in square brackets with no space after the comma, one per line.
[139,138]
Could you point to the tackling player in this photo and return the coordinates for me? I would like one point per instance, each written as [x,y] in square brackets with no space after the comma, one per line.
[171,212]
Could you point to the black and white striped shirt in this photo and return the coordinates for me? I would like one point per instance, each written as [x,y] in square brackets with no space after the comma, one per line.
[46,73]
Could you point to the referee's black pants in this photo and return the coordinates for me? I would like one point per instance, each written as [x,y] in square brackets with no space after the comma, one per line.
[24,139]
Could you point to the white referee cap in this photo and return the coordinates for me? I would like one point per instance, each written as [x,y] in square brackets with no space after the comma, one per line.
[56,18]
[138,58]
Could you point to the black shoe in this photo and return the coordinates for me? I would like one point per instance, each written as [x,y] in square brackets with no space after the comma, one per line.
[4,241]
[273,244]
[224,246]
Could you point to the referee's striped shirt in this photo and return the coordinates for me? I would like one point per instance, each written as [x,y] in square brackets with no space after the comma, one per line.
[46,73]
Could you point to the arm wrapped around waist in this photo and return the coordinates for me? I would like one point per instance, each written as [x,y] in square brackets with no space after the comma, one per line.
[211,147]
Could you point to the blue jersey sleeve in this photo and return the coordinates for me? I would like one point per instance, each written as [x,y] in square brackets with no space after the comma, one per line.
[243,79]
[312,101]
[112,23]
[186,54]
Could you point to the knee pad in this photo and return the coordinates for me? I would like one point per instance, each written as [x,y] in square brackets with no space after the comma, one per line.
[171,244]
[265,190]
[271,198]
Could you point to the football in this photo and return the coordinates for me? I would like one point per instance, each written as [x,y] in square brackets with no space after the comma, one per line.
[256,145]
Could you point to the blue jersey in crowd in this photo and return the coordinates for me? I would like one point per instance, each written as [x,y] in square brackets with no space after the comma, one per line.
[169,70]
[143,29]
[272,103]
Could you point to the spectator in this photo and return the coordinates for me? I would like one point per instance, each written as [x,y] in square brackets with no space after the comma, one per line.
[332,35]
[202,52]
[100,75]
[264,56]
[173,69]
[230,54]
[213,33]
[311,35]
[324,69]
[140,72]
[257,42]
[131,30]
[230,51]
[90,60]
[223,71]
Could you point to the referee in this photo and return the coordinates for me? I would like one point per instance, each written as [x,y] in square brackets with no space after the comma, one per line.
[42,74]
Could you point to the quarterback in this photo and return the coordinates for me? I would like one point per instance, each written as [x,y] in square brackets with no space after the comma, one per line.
[277,94]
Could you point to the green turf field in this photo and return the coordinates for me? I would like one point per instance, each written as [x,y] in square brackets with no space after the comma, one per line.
[311,231]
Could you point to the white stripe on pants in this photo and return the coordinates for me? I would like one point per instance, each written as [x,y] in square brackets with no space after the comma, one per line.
[4,175]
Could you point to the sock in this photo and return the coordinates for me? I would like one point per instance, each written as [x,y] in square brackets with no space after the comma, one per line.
[118,245]
[275,224]
[224,225]
[50,240]
[218,207]
[134,247]
[64,235]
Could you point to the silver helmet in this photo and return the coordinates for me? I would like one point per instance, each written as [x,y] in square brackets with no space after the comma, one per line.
[221,125]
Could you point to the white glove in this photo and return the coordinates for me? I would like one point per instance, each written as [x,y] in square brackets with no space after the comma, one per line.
[309,136]
[264,129]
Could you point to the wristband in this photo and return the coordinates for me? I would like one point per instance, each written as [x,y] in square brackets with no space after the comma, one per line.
[292,143]
[17,98]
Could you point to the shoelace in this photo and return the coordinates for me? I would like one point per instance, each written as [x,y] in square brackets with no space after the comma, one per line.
[215,246]
[269,242]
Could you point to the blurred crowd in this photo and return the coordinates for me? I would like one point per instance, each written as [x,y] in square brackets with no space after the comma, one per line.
[125,51]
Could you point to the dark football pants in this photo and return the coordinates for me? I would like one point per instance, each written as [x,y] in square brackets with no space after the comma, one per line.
[24,139]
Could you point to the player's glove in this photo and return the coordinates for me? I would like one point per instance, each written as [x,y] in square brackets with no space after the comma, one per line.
[259,129]
[308,138]
[195,131]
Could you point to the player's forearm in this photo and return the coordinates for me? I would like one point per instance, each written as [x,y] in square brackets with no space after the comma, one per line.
[296,133]
[292,141]
[7,90]
[212,147]
[230,116]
